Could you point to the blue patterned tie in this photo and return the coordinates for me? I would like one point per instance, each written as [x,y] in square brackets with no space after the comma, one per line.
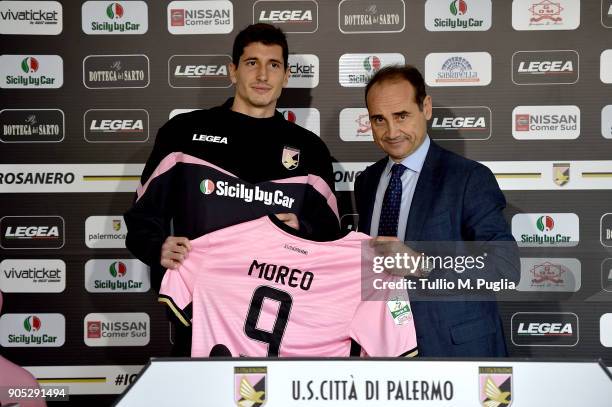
[389,212]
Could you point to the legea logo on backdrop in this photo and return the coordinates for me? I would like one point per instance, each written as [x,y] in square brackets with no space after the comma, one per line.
[545,67]
[306,117]
[355,124]
[458,69]
[544,329]
[117,329]
[116,71]
[199,71]
[31,232]
[32,276]
[31,126]
[304,71]
[546,122]
[105,232]
[116,126]
[355,70]
[460,123]
[367,16]
[116,276]
[458,15]
[295,16]
[545,14]
[114,17]
[30,17]
[546,229]
[32,330]
[31,71]
[200,17]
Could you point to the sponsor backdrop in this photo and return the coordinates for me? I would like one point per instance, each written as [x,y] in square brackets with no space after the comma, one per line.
[523,86]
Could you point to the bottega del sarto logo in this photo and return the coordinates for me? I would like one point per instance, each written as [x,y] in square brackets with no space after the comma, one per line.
[246,193]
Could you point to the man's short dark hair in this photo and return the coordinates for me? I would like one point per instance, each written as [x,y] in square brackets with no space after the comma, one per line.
[267,34]
[398,72]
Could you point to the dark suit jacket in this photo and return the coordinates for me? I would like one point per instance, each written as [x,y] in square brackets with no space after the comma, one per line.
[455,199]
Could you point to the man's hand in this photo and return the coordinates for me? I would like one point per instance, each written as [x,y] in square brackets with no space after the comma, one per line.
[289,219]
[174,251]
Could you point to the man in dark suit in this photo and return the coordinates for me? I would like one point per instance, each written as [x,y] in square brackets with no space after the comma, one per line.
[422,192]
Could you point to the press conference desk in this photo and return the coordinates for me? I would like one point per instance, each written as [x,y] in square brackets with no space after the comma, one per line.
[246,382]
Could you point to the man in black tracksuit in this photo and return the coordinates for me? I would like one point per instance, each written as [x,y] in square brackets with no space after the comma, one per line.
[214,168]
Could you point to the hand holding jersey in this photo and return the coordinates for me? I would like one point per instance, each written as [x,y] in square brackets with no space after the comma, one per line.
[175,248]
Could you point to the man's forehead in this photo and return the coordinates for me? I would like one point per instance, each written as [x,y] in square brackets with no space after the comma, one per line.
[260,50]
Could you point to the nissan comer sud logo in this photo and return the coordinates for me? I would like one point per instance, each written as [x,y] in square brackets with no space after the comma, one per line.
[31,126]
[32,232]
[367,17]
[30,17]
[297,16]
[546,122]
[199,71]
[116,126]
[460,123]
[117,329]
[545,67]
[200,17]
[116,71]
[545,329]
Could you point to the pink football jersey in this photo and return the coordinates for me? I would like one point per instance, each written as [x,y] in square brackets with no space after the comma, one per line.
[258,290]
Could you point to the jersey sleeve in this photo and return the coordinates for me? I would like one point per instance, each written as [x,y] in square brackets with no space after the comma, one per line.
[176,290]
[148,220]
[385,328]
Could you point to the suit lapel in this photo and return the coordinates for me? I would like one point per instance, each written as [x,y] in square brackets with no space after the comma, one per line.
[370,185]
[424,194]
